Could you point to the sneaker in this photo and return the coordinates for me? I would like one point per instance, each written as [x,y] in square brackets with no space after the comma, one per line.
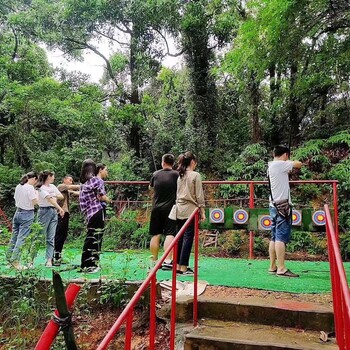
[188,272]
[167,266]
[56,263]
[93,269]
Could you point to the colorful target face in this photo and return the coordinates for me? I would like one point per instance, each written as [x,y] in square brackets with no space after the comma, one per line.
[240,216]
[296,218]
[319,218]
[264,222]
[216,216]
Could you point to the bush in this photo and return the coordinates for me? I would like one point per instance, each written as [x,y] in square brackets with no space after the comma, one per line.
[125,232]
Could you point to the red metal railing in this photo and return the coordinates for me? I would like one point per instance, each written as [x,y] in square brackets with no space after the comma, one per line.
[52,329]
[251,185]
[340,288]
[151,280]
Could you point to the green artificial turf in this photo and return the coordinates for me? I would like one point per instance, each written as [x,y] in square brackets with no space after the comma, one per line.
[134,265]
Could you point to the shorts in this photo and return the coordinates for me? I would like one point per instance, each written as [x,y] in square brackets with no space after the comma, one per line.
[160,223]
[280,227]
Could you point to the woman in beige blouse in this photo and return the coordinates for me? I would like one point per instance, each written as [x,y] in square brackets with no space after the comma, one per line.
[189,197]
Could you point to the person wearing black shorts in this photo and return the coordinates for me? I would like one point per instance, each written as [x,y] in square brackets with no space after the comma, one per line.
[164,184]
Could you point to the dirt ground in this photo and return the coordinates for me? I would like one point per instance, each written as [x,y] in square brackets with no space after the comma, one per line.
[91,332]
[91,328]
[218,291]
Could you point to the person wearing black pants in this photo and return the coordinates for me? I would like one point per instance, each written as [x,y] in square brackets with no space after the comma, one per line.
[67,188]
[93,241]
[189,197]
[185,242]
[92,199]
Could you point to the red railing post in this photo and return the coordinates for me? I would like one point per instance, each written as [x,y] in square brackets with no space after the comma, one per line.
[53,328]
[152,316]
[251,233]
[195,286]
[173,300]
[340,288]
[335,207]
[128,330]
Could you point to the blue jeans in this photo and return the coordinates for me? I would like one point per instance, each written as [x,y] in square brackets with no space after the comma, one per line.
[280,226]
[47,217]
[21,223]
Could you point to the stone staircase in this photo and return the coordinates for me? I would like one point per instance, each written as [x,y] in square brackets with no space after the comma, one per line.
[255,323]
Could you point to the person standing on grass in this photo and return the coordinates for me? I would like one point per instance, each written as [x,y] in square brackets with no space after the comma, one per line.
[26,197]
[47,214]
[190,196]
[67,188]
[281,226]
[92,195]
[163,183]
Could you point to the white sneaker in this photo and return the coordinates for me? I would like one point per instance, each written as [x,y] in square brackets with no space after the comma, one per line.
[93,269]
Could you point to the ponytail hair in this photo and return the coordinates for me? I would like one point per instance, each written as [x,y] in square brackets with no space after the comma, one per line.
[43,177]
[184,161]
[26,177]
[88,170]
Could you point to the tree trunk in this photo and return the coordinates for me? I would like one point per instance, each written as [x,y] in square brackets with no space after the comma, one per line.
[134,137]
[294,121]
[255,99]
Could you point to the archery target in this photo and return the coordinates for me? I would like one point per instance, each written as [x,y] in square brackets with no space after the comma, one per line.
[319,218]
[296,218]
[240,216]
[216,216]
[264,222]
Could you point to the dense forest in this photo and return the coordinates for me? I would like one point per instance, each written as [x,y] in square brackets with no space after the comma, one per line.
[254,74]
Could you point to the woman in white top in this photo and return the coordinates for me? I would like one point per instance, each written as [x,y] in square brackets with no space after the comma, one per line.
[189,197]
[25,197]
[48,207]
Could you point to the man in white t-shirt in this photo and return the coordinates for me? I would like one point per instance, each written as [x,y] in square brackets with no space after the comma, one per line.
[278,172]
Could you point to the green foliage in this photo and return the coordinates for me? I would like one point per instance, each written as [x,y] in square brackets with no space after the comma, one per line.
[9,179]
[261,246]
[311,243]
[250,165]
[23,307]
[345,245]
[231,242]
[125,232]
[309,149]
[114,292]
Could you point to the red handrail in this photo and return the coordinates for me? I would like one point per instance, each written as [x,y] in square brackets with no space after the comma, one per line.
[151,280]
[340,288]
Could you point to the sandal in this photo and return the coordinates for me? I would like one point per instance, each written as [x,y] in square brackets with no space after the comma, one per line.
[287,273]
[272,272]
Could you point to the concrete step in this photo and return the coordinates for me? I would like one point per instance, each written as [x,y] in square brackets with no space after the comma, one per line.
[283,313]
[220,335]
